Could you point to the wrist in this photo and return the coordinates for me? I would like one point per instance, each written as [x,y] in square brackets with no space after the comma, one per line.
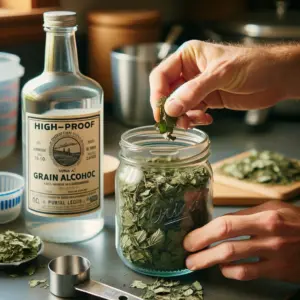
[287,59]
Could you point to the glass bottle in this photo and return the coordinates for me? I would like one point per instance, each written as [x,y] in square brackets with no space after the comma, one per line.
[62,120]
[163,191]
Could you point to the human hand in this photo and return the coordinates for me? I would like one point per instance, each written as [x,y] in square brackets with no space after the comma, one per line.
[203,75]
[274,228]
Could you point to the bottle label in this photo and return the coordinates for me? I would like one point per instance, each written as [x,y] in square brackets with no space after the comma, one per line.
[63,164]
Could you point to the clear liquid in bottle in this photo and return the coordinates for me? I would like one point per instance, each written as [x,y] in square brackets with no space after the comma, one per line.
[62,124]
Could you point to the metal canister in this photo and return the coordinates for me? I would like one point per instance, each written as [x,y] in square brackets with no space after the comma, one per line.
[131,67]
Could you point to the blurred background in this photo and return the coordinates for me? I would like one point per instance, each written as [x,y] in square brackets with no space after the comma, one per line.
[107,25]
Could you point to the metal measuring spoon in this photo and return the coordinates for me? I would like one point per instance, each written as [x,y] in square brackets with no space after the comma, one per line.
[71,274]
[24,261]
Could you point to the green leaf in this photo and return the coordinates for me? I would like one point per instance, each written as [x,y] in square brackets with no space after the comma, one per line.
[30,270]
[188,292]
[197,286]
[156,238]
[127,219]
[162,290]
[140,236]
[35,282]
[138,284]
[166,123]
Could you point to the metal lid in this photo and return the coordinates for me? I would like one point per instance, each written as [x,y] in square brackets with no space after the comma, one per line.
[59,19]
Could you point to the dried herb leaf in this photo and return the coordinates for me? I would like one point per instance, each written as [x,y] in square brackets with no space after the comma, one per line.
[30,270]
[157,237]
[264,167]
[197,286]
[35,282]
[138,284]
[188,292]
[140,236]
[166,123]
[15,247]
[167,290]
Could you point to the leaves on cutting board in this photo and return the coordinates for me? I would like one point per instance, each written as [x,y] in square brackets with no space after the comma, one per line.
[264,167]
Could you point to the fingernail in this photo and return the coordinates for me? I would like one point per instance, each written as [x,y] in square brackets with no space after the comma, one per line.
[189,264]
[174,108]
[199,122]
[187,245]
[209,118]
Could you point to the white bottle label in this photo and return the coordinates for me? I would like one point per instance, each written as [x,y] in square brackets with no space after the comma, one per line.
[63,164]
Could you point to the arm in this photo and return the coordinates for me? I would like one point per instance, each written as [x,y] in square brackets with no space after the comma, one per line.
[204,75]
[288,57]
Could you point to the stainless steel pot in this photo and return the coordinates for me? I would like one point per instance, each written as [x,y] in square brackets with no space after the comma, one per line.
[262,27]
[131,67]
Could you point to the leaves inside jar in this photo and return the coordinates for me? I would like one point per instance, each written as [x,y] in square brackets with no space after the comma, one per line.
[158,211]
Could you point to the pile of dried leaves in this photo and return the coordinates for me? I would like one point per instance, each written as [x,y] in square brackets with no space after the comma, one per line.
[15,247]
[158,211]
[264,167]
[169,290]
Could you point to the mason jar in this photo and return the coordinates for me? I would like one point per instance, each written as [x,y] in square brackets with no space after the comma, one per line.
[163,191]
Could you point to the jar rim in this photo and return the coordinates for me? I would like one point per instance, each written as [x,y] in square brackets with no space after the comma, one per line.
[146,141]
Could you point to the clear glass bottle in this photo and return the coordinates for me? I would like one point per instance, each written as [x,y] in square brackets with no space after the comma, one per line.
[163,191]
[62,118]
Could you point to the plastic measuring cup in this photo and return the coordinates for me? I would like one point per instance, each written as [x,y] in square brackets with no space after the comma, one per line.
[10,73]
[11,195]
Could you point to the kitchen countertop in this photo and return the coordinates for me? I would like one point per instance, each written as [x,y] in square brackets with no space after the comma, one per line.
[229,136]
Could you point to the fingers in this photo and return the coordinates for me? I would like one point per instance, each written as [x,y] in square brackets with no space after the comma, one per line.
[263,223]
[250,271]
[190,94]
[224,253]
[183,122]
[198,117]
[194,118]
[173,87]
[162,78]
[270,205]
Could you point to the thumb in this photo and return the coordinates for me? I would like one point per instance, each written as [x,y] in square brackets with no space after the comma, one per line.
[191,93]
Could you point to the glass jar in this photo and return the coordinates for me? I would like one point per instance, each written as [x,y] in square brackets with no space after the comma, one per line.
[163,191]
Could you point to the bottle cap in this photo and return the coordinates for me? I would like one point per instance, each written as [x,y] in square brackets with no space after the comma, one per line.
[59,19]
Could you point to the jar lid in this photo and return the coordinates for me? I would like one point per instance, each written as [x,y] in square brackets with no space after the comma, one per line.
[124,17]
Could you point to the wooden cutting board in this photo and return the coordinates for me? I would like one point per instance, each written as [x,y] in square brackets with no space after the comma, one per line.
[278,192]
[228,195]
